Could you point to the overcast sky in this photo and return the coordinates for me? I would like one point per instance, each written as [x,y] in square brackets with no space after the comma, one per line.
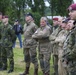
[74,1]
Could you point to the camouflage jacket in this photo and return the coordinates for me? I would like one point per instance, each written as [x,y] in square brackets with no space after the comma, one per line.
[52,38]
[69,46]
[7,36]
[61,37]
[42,34]
[29,30]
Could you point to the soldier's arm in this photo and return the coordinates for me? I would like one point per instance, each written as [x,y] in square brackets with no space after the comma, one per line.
[35,28]
[44,34]
[53,35]
[71,44]
[71,47]
[12,34]
[35,34]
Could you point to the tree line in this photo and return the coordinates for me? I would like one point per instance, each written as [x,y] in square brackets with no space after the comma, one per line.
[18,8]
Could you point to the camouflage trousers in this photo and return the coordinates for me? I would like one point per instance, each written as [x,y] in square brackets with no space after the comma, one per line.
[45,62]
[44,57]
[7,52]
[72,68]
[72,73]
[31,56]
[55,63]
[61,69]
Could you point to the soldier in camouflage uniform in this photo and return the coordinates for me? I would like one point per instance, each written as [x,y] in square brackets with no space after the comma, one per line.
[69,26]
[1,24]
[29,45]
[42,35]
[55,46]
[70,43]
[55,23]
[60,40]
[7,39]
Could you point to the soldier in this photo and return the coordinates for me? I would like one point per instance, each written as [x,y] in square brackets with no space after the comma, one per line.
[60,40]
[42,35]
[70,24]
[7,39]
[1,24]
[55,23]
[55,45]
[70,43]
[29,45]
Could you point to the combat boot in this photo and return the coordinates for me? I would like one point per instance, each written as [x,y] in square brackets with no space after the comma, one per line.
[47,73]
[56,69]
[11,70]
[36,71]
[11,67]
[26,71]
[0,65]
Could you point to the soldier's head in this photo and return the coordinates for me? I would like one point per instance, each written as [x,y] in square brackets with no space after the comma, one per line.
[0,16]
[29,18]
[60,21]
[5,19]
[64,23]
[70,25]
[43,21]
[55,21]
[72,11]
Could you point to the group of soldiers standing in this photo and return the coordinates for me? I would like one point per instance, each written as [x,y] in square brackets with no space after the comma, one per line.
[59,40]
[63,39]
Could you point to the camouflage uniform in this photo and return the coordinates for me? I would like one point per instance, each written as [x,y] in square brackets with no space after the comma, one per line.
[7,39]
[42,35]
[1,24]
[70,51]
[60,40]
[29,45]
[55,48]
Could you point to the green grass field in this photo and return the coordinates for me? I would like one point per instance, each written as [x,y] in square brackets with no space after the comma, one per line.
[19,65]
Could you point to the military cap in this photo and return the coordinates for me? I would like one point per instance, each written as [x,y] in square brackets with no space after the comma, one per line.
[72,7]
[16,20]
[5,16]
[56,19]
[29,14]
[66,20]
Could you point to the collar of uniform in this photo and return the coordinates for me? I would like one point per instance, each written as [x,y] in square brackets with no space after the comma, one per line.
[42,27]
[29,23]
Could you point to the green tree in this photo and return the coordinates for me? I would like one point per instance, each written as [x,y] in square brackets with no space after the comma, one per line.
[37,6]
[18,6]
[58,7]
[3,5]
